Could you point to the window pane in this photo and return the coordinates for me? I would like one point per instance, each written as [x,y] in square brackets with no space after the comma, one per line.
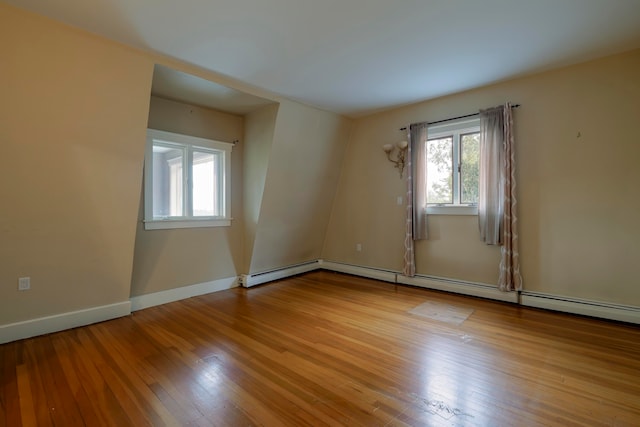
[440,170]
[206,197]
[168,182]
[469,168]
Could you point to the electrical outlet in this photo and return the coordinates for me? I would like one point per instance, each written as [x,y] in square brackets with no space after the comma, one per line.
[24,283]
[359,247]
[399,201]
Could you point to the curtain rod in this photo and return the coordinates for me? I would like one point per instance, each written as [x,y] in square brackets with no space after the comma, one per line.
[456,118]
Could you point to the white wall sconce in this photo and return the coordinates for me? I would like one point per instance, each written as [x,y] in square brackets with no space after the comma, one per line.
[400,155]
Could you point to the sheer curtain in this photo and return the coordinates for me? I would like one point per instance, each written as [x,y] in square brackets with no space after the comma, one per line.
[491,179]
[416,215]
[497,214]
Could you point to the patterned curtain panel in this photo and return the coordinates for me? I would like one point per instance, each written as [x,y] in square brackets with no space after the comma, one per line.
[497,214]
[416,214]
[510,277]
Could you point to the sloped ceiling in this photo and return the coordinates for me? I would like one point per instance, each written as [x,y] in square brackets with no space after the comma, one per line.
[178,86]
[357,56]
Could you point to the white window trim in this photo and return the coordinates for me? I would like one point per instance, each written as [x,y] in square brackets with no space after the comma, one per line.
[151,223]
[459,127]
[452,210]
[169,223]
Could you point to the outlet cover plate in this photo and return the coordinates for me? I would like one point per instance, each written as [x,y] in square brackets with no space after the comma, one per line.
[24,283]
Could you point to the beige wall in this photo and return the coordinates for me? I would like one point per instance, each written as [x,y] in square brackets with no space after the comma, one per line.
[73,111]
[167,259]
[578,154]
[259,129]
[302,175]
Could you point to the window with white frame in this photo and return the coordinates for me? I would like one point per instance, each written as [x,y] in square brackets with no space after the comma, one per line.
[452,159]
[187,181]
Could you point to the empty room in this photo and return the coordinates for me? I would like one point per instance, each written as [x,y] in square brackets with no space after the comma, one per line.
[280,213]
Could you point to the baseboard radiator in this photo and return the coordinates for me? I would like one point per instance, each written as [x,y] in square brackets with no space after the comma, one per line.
[254,279]
[368,272]
[610,311]
[442,284]
[481,290]
[619,312]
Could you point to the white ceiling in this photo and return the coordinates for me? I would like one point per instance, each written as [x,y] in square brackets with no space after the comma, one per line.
[358,56]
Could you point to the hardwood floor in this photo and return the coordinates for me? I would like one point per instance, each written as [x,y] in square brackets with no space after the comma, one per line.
[326,349]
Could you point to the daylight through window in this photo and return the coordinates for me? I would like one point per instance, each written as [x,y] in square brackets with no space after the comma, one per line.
[452,160]
[186,181]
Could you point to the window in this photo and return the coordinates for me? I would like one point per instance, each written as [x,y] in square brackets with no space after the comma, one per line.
[187,181]
[452,158]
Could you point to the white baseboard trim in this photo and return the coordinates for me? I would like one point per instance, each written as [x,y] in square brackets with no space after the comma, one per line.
[370,273]
[58,322]
[249,280]
[481,290]
[622,313]
[158,298]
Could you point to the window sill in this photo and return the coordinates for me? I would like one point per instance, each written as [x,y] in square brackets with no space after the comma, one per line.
[452,210]
[166,224]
